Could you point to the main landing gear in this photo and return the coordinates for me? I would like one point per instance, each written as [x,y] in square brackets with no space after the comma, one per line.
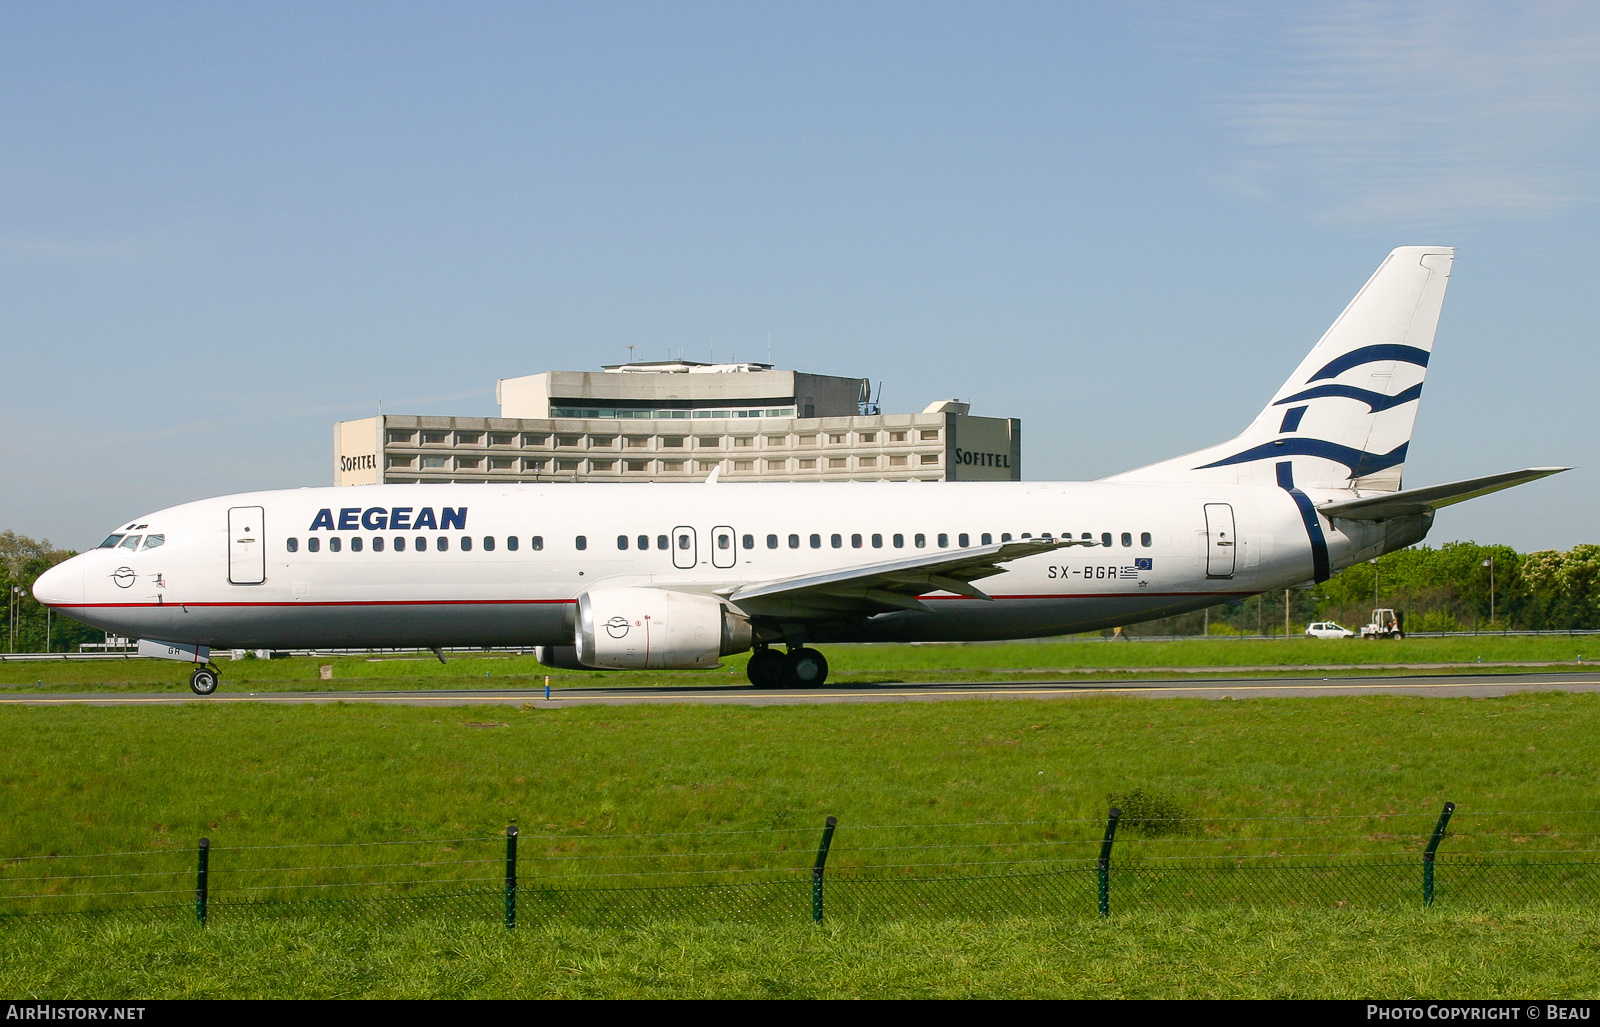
[204,680]
[798,668]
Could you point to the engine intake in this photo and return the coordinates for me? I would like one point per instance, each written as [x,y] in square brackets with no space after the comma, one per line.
[653,629]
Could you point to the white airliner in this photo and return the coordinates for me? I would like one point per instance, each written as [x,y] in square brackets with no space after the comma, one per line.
[675,576]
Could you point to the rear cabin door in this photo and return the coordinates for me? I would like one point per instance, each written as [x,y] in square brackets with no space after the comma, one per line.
[724,547]
[685,548]
[247,549]
[1220,541]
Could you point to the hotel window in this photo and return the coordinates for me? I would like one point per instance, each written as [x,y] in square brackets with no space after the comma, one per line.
[744,465]
[432,461]
[929,433]
[568,465]
[930,458]
[533,465]
[777,465]
[469,438]
[743,441]
[399,461]
[502,439]
[777,440]
[838,439]
[638,442]
[601,465]
[535,440]
[430,438]
[672,441]
[867,436]
[501,463]
[838,461]
[638,465]
[468,463]
[569,440]
[402,436]
[867,461]
[601,441]
[807,463]
[672,465]
[897,436]
[806,440]
[897,461]
[708,441]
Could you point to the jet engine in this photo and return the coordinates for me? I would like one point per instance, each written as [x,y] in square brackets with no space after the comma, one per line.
[651,629]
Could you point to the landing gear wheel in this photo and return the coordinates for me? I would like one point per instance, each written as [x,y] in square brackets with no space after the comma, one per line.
[765,669]
[203,681]
[805,668]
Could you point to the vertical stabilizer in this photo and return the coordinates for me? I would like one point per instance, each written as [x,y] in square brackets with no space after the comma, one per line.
[1343,419]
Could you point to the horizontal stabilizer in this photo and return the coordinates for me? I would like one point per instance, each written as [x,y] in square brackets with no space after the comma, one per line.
[893,585]
[1415,501]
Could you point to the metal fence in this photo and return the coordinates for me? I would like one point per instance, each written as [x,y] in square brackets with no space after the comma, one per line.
[1138,860]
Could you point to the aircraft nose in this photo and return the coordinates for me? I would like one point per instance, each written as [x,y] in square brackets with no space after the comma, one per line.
[61,584]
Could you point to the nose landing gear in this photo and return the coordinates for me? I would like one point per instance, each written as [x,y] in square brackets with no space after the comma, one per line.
[799,668]
[204,680]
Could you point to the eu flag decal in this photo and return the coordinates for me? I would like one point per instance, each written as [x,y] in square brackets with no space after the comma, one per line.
[1142,563]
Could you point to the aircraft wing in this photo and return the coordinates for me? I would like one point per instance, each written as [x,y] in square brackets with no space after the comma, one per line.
[1409,502]
[882,587]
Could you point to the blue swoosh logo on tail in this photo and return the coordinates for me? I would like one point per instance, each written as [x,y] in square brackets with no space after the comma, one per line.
[1368,355]
[1360,462]
[1375,401]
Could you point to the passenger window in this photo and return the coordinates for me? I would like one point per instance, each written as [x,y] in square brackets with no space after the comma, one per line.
[442,543]
[1027,534]
[466,543]
[963,540]
[1144,539]
[399,544]
[356,543]
[111,542]
[1005,536]
[130,542]
[152,541]
[772,542]
[986,539]
[335,544]
[1105,538]
[816,541]
[794,541]
[488,543]
[920,540]
[1127,539]
[899,541]
[313,544]
[422,543]
[644,542]
[581,543]
[724,541]
[837,541]
[683,541]
[877,542]
[944,541]
[512,542]
[622,542]
[749,541]
[855,541]
[537,542]
[662,542]
[293,545]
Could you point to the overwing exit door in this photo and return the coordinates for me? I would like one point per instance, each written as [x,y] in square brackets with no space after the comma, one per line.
[247,549]
[685,548]
[724,547]
[1220,539]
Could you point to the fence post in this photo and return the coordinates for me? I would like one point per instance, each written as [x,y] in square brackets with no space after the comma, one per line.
[816,870]
[1433,846]
[1104,865]
[511,875]
[200,887]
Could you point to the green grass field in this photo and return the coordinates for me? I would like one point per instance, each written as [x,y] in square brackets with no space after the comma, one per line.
[679,791]
[850,664]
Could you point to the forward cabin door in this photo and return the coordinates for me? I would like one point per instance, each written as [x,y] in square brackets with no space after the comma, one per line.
[685,548]
[247,549]
[724,547]
[1220,547]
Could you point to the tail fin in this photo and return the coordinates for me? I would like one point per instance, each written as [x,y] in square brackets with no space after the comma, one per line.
[1343,419]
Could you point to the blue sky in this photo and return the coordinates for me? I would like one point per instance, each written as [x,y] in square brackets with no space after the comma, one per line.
[224,226]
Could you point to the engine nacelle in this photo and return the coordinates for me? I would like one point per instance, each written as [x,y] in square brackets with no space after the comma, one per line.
[653,629]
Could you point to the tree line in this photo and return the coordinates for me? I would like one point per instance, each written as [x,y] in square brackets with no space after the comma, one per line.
[28,627]
[1460,586]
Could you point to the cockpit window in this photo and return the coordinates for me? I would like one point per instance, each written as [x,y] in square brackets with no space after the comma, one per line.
[130,542]
[111,542]
[151,541]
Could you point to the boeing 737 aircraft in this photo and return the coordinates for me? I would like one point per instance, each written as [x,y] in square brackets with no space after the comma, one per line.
[676,576]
